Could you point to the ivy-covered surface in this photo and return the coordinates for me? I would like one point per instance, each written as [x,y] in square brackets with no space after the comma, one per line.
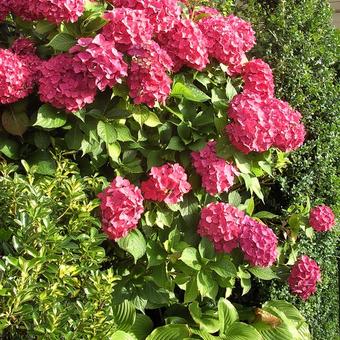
[299,41]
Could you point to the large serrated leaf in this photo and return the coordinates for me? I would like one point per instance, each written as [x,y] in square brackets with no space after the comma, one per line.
[134,243]
[263,273]
[50,118]
[189,92]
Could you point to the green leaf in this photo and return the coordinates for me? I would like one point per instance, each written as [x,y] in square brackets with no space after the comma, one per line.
[73,138]
[44,163]
[152,120]
[50,118]
[62,42]
[123,133]
[242,331]
[234,198]
[242,163]
[263,273]
[206,320]
[223,267]
[227,314]
[175,144]
[189,210]
[133,243]
[207,285]
[9,148]
[155,253]
[43,27]
[142,327]
[191,258]
[106,132]
[15,123]
[230,90]
[170,332]
[191,290]
[265,215]
[189,92]
[124,315]
[121,335]
[250,205]
[206,248]
[41,139]
[114,151]
[246,285]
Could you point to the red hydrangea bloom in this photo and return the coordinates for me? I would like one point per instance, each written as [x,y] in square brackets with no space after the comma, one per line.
[221,223]
[251,129]
[4,9]
[66,84]
[127,28]
[322,218]
[185,44]
[217,174]
[258,242]
[290,132]
[26,10]
[161,14]
[168,183]
[26,49]
[304,276]
[258,78]
[148,81]
[121,208]
[101,59]
[227,40]
[16,78]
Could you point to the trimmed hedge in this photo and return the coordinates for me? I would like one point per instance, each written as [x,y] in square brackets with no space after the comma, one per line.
[297,39]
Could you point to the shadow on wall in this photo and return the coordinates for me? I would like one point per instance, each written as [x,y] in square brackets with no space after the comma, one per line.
[336,16]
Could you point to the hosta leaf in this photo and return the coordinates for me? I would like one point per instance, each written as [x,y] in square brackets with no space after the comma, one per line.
[124,315]
[242,331]
[121,335]
[206,320]
[133,243]
[142,327]
[227,314]
[170,332]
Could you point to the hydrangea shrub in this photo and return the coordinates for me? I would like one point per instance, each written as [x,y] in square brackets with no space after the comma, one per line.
[160,98]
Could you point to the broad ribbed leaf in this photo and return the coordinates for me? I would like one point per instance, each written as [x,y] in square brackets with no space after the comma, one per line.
[169,332]
[124,315]
[242,331]
[142,327]
[206,320]
[227,314]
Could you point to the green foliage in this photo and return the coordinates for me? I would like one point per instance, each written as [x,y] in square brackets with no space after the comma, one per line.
[298,41]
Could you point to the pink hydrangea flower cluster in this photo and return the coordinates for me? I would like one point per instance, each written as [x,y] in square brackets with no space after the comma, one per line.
[4,9]
[258,242]
[321,218]
[102,60]
[167,183]
[55,11]
[227,39]
[65,83]
[121,208]
[16,77]
[221,223]
[259,123]
[148,80]
[127,28]
[217,174]
[185,44]
[161,14]
[304,276]
[258,78]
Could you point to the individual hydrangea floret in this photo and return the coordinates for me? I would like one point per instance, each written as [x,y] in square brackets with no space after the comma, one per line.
[304,276]
[66,83]
[258,243]
[162,14]
[290,132]
[185,44]
[127,28]
[221,223]
[167,183]
[16,77]
[250,129]
[148,81]
[217,174]
[258,78]
[321,218]
[102,60]
[121,208]
[227,40]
